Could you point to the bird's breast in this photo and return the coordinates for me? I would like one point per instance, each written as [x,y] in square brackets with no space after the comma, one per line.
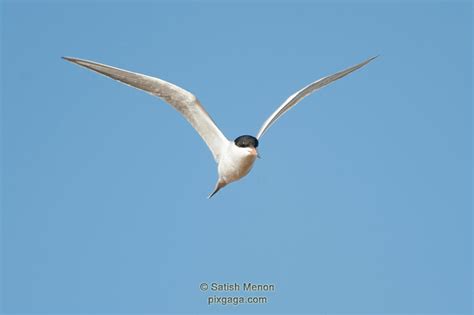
[236,162]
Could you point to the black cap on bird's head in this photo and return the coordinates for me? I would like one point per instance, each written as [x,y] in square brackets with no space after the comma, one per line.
[246,141]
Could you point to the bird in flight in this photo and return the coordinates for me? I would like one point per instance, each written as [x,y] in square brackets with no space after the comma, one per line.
[234,158]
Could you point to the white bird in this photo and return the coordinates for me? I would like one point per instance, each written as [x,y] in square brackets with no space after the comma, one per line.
[234,158]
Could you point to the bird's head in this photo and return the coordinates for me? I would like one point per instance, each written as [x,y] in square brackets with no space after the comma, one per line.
[246,141]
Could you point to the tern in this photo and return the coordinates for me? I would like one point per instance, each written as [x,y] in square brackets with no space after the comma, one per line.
[234,158]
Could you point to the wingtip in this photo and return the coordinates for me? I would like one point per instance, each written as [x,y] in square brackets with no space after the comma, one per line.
[70,59]
[367,61]
[374,57]
[77,61]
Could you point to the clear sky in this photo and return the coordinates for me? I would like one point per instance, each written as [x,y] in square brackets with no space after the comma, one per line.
[361,202]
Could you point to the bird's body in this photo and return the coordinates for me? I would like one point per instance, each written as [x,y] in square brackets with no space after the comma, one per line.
[234,163]
[234,158]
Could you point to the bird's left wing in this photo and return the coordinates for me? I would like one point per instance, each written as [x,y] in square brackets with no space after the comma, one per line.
[183,101]
[307,90]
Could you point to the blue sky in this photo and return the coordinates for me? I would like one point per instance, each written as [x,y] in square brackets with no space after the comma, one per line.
[361,202]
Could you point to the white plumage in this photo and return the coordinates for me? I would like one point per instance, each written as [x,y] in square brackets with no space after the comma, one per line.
[234,158]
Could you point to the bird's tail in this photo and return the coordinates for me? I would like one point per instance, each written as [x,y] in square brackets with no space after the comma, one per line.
[220,183]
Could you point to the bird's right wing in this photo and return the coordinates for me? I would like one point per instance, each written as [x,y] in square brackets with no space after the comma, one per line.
[307,90]
[183,101]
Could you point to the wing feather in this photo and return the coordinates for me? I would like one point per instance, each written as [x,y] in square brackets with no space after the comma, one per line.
[307,90]
[183,101]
